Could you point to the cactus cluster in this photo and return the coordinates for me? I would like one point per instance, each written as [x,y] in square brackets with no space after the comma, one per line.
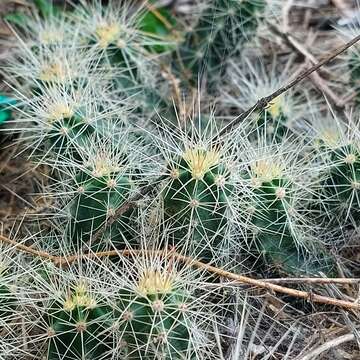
[136,174]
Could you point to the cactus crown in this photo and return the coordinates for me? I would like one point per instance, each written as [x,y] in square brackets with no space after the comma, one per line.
[107,34]
[79,298]
[153,282]
[200,161]
[266,170]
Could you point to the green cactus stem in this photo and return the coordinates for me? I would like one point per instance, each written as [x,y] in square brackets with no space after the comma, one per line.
[152,319]
[354,66]
[99,195]
[275,231]
[68,131]
[79,328]
[7,300]
[223,28]
[341,187]
[196,197]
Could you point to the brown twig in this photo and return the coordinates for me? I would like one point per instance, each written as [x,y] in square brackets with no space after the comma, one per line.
[294,44]
[263,102]
[322,281]
[131,203]
[29,250]
[225,274]
[68,260]
[313,354]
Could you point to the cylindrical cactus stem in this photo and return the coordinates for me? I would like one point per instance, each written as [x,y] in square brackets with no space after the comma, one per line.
[276,222]
[196,198]
[338,152]
[99,195]
[79,327]
[223,27]
[152,319]
[68,131]
[351,58]
[341,186]
[270,216]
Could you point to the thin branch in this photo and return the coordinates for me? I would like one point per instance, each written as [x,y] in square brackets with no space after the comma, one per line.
[68,260]
[263,102]
[29,250]
[222,273]
[294,44]
[327,346]
[129,204]
[322,281]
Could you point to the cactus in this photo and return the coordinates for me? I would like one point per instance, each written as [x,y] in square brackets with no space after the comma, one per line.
[77,327]
[152,320]
[252,81]
[351,63]
[69,130]
[6,297]
[274,210]
[98,186]
[222,29]
[99,196]
[339,188]
[342,187]
[354,67]
[59,122]
[89,83]
[125,37]
[160,309]
[196,197]
[39,68]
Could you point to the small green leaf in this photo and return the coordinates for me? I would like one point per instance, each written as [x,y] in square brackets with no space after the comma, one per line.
[152,24]
[17,18]
[46,8]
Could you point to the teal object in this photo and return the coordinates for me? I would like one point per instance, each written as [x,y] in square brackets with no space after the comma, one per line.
[5,111]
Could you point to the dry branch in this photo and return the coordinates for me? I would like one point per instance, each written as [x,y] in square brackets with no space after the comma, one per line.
[264,284]
[313,354]
[264,102]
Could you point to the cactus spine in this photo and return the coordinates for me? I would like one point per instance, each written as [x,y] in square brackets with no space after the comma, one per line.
[341,185]
[6,297]
[273,212]
[100,194]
